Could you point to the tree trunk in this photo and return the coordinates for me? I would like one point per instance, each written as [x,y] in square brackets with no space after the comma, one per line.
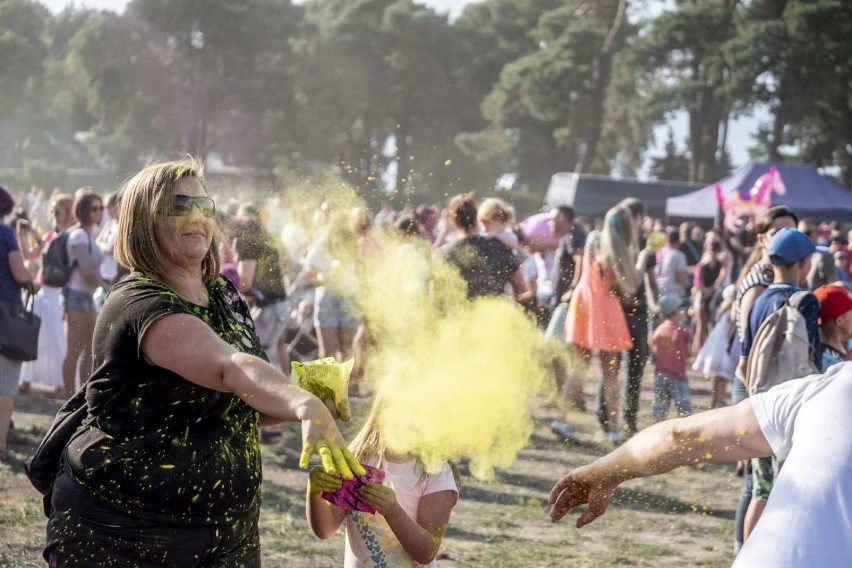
[710,140]
[603,70]
[774,144]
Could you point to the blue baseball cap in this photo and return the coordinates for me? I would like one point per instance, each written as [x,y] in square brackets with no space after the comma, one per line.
[788,246]
[669,304]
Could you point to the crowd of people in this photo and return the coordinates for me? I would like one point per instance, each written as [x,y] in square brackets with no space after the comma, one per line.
[159,260]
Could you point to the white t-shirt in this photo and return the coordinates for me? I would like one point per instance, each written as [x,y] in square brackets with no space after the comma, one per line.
[79,237]
[109,267]
[672,262]
[808,517]
[544,272]
[370,542]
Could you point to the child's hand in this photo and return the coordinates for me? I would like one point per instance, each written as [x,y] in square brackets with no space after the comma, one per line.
[319,481]
[380,497]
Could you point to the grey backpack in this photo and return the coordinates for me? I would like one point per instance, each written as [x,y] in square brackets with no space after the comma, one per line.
[781,350]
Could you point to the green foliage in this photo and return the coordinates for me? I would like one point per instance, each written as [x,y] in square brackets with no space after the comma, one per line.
[393,79]
[526,86]
[685,69]
[23,52]
[673,164]
[798,62]
[548,103]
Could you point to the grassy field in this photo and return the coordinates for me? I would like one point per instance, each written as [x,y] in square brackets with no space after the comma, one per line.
[684,518]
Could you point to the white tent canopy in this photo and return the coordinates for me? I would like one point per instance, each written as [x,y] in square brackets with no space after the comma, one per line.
[699,204]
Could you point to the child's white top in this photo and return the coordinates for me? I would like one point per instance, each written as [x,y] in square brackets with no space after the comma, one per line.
[369,540]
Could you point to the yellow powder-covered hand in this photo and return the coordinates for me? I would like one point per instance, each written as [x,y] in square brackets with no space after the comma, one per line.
[328,380]
[320,481]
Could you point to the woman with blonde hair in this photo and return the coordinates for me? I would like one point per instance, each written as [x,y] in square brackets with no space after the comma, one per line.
[497,217]
[164,466]
[596,320]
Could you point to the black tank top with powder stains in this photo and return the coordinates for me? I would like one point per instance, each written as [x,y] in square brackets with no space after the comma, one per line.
[159,446]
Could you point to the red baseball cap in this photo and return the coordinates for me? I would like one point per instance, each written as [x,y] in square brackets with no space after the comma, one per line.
[834,301]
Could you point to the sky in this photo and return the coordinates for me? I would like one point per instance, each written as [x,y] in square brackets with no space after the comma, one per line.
[739,136]
[452,7]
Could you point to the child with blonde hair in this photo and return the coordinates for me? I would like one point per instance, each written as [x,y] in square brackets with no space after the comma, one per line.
[412,505]
[496,218]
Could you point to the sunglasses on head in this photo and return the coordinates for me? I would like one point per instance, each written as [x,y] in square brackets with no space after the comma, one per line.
[182,205]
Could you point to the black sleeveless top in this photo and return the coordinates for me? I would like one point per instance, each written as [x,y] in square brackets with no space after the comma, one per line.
[156,445]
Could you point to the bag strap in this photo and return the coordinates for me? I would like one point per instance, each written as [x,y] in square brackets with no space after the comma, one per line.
[798,298]
[29,302]
[73,227]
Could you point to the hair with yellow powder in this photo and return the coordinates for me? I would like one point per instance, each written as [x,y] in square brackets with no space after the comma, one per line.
[369,446]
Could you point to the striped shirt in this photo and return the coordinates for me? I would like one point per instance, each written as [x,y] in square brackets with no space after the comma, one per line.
[761,274]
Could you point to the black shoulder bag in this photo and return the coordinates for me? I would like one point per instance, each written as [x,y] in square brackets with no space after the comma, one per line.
[43,467]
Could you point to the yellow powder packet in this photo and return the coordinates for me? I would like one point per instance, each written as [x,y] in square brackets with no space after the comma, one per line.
[328,380]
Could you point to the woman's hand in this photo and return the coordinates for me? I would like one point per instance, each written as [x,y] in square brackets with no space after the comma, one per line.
[320,436]
[319,481]
[574,490]
[380,497]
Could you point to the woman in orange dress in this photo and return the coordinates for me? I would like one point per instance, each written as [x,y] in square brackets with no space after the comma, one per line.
[595,320]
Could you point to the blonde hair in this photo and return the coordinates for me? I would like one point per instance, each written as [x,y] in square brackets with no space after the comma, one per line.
[369,445]
[66,202]
[617,251]
[497,210]
[593,243]
[145,197]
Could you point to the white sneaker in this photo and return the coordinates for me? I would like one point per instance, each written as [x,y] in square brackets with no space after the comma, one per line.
[564,430]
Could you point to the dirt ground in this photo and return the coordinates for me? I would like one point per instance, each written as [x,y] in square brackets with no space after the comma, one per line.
[683,518]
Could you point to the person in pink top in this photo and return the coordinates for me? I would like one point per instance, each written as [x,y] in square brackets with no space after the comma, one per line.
[595,319]
[670,345]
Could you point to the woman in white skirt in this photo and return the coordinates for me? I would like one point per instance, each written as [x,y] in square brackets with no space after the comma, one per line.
[715,359]
[52,344]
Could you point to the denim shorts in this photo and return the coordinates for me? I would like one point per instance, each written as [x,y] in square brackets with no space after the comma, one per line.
[330,310]
[10,372]
[76,301]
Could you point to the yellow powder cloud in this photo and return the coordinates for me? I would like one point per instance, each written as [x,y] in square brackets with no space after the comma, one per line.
[456,376]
